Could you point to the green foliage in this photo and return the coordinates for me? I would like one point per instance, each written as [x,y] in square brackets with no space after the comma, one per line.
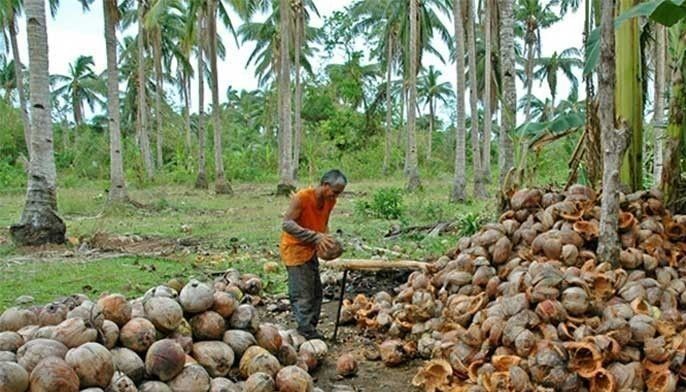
[11,176]
[469,223]
[386,203]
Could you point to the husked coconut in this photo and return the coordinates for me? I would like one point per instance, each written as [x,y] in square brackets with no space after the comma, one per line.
[89,312]
[216,357]
[224,303]
[165,313]
[208,326]
[109,334]
[287,355]
[138,335]
[14,319]
[52,314]
[315,346]
[36,350]
[53,374]
[154,386]
[92,362]
[268,337]
[10,341]
[221,384]
[115,308]
[259,382]
[346,365]
[256,359]
[196,297]
[294,379]
[239,341]
[47,332]
[193,378]
[28,332]
[74,332]
[165,359]
[13,377]
[121,383]
[8,356]
[245,317]
[129,363]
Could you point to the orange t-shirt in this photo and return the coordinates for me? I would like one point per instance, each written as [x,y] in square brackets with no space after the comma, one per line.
[294,252]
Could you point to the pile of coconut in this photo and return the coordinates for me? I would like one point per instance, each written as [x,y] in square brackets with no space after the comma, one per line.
[195,337]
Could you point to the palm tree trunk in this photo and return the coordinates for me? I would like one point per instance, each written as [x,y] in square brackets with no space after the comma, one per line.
[629,95]
[389,106]
[658,96]
[187,112]
[529,79]
[39,223]
[479,190]
[613,141]
[159,87]
[459,181]
[509,100]
[117,193]
[201,181]
[286,182]
[488,69]
[298,89]
[676,129]
[76,109]
[142,104]
[431,130]
[19,76]
[413,182]
[221,185]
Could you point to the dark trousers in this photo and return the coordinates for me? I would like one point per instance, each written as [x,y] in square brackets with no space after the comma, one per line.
[305,292]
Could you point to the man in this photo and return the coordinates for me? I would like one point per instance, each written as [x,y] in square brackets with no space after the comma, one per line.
[305,232]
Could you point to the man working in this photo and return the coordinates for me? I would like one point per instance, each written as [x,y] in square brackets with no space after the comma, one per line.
[305,228]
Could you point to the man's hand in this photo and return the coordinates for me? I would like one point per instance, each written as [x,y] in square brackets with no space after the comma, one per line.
[325,243]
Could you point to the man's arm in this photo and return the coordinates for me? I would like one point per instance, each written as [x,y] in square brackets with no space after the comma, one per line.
[291,227]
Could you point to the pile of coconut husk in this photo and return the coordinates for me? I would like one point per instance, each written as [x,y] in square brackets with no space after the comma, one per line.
[194,337]
[524,304]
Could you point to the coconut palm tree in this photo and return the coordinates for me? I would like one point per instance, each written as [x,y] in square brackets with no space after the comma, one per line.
[659,97]
[535,15]
[8,80]
[117,192]
[470,16]
[459,182]
[80,85]
[488,77]
[433,91]
[286,181]
[565,62]
[39,223]
[142,110]
[413,182]
[9,11]
[201,181]
[509,92]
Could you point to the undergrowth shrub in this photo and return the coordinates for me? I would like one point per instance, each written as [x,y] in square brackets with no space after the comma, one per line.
[386,203]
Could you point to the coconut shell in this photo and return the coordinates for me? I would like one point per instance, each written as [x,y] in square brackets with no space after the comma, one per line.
[92,362]
[165,313]
[259,382]
[333,252]
[10,341]
[221,384]
[109,334]
[165,359]
[74,332]
[14,378]
[90,312]
[28,332]
[116,309]
[8,356]
[121,383]
[154,386]
[245,317]
[239,341]
[269,338]
[224,304]
[287,355]
[53,374]
[52,314]
[36,350]
[294,379]
[255,360]
[346,365]
[14,319]
[216,357]
[208,326]
[315,346]
[392,353]
[193,378]
[138,335]
[196,297]
[129,363]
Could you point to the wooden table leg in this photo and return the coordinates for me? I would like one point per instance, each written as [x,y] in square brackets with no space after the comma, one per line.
[340,304]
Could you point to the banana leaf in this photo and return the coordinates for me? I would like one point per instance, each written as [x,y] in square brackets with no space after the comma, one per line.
[560,126]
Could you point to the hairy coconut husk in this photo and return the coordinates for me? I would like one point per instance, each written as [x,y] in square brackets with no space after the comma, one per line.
[294,379]
[36,350]
[154,386]
[165,313]
[14,319]
[251,284]
[216,357]
[208,326]
[346,365]
[109,334]
[239,341]
[74,332]
[333,252]
[255,360]
[307,361]
[53,374]
[315,346]
[90,312]
[196,297]
[93,364]
[287,355]
[269,338]
[121,383]
[259,382]
[220,384]
[129,363]
[165,359]
[14,378]
[224,304]
[115,308]
[245,317]
[138,335]
[10,341]
[52,314]
[193,378]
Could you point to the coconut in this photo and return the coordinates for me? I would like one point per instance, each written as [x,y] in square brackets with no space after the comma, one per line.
[251,285]
[392,353]
[53,374]
[8,356]
[239,341]
[74,332]
[14,319]
[109,334]
[193,378]
[221,384]
[94,390]
[294,338]
[259,382]
[129,363]
[116,308]
[268,337]
[245,317]
[224,304]
[34,351]
[307,361]
[235,291]
[165,359]
[346,365]
[52,314]
[47,332]
[138,335]
[161,291]
[216,357]
[287,355]
[196,297]
[208,326]
[137,308]
[90,312]
[10,341]
[256,359]
[14,378]
[121,383]
[315,346]
[92,362]
[333,252]
[28,332]
[165,313]
[185,341]
[294,379]
[154,386]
